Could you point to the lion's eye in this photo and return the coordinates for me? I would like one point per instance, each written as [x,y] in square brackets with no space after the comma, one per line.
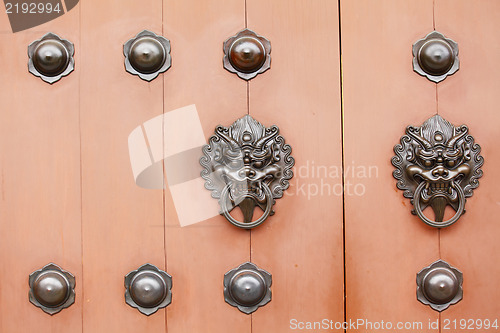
[451,163]
[258,164]
[234,164]
[427,163]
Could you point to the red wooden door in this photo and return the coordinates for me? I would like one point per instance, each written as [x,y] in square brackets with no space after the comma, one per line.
[385,245]
[342,248]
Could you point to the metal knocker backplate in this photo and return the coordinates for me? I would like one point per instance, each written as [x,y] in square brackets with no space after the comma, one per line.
[247,165]
[437,165]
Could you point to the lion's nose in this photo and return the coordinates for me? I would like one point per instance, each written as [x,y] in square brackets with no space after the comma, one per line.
[440,171]
[247,172]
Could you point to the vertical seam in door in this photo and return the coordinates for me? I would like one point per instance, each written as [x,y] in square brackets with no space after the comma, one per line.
[81,169]
[246,18]
[248,112]
[343,161]
[439,252]
[439,243]
[163,162]
[433,14]
[434,28]
[437,99]
[248,82]
[437,112]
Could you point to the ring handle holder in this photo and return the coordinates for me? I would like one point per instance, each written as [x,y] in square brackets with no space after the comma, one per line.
[247,165]
[437,165]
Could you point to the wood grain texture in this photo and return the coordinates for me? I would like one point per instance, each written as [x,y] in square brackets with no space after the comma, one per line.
[471,97]
[123,225]
[68,195]
[199,255]
[385,245]
[4,21]
[40,180]
[301,245]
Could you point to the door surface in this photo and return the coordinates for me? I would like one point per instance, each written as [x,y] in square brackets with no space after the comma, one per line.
[385,245]
[343,248]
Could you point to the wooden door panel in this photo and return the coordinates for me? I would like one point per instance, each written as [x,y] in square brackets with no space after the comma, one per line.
[200,254]
[471,97]
[123,224]
[4,24]
[342,244]
[301,245]
[385,245]
[40,179]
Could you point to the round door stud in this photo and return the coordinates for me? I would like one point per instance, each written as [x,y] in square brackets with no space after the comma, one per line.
[51,58]
[148,289]
[247,287]
[247,54]
[435,57]
[147,55]
[439,285]
[52,289]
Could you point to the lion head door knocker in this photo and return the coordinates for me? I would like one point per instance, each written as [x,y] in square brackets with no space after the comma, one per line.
[437,165]
[247,165]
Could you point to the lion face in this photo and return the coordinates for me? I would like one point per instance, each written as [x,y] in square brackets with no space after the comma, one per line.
[249,162]
[439,157]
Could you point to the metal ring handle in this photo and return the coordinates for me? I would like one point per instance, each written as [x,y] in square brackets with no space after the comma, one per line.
[225,211]
[425,219]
